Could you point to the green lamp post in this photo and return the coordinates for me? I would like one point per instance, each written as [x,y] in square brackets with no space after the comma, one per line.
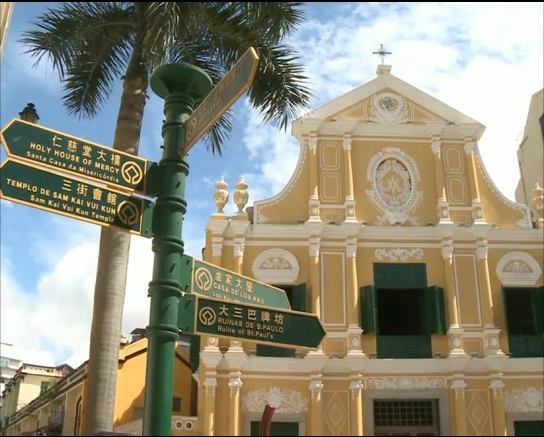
[181,86]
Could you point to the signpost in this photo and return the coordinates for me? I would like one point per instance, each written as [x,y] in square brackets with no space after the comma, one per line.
[235,83]
[28,142]
[31,186]
[207,280]
[219,318]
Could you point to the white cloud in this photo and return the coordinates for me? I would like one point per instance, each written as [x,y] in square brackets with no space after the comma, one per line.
[485,60]
[51,323]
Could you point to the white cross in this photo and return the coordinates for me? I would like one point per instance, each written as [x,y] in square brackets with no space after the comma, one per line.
[382,53]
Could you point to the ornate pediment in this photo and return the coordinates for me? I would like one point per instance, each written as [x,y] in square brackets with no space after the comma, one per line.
[388,107]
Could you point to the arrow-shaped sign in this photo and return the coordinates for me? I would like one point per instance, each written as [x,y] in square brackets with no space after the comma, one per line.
[60,151]
[218,318]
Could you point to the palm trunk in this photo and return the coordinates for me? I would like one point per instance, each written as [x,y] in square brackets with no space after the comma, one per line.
[111,274]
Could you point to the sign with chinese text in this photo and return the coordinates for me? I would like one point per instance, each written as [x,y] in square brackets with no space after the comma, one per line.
[235,83]
[32,186]
[56,150]
[208,280]
[219,318]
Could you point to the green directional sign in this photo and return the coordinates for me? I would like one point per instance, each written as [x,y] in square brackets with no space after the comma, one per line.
[235,83]
[207,280]
[32,186]
[56,150]
[218,318]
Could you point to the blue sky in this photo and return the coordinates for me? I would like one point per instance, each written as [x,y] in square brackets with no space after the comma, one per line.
[483,59]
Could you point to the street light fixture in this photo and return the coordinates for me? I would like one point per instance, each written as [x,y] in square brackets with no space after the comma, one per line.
[29,114]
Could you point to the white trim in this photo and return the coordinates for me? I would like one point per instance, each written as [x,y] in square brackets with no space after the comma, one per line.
[518,278]
[392,82]
[346,407]
[520,417]
[458,294]
[489,417]
[276,275]
[442,395]
[341,294]
[278,417]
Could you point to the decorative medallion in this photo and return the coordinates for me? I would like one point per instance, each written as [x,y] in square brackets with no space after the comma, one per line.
[394,177]
[528,400]
[285,400]
[388,108]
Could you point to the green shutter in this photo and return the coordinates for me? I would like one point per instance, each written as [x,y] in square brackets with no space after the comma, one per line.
[299,302]
[435,313]
[539,310]
[194,352]
[505,303]
[400,276]
[369,309]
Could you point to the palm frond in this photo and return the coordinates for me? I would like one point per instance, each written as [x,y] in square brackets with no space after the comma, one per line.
[279,91]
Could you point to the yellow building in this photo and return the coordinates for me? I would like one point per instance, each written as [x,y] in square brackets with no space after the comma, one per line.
[531,150]
[61,409]
[426,278]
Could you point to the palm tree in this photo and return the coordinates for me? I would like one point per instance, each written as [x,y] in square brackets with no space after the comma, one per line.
[92,45]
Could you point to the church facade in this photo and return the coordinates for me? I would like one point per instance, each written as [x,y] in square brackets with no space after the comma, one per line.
[427,280]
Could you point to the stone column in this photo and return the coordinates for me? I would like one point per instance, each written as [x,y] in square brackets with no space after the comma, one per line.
[455,332]
[313,203]
[442,205]
[477,207]
[235,358]
[356,407]
[350,193]
[491,332]
[538,205]
[497,407]
[315,279]
[459,408]
[315,361]
[210,357]
[354,308]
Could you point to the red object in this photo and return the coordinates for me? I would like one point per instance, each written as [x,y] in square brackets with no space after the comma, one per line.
[267,420]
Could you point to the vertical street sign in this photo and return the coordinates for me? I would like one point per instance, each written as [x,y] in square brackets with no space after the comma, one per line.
[31,186]
[207,280]
[38,145]
[236,82]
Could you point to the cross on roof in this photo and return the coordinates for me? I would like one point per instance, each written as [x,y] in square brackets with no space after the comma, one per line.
[382,53]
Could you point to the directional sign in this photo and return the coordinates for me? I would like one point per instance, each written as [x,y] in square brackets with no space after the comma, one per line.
[235,83]
[219,318]
[56,150]
[208,280]
[32,186]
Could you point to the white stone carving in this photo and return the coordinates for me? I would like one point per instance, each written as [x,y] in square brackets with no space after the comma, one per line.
[481,252]
[314,249]
[217,249]
[469,148]
[394,177]
[276,266]
[524,223]
[210,384]
[351,251]
[518,269]
[347,144]
[398,254]
[404,383]
[290,401]
[388,108]
[312,143]
[315,388]
[238,249]
[235,386]
[355,387]
[447,252]
[262,219]
[528,400]
[435,146]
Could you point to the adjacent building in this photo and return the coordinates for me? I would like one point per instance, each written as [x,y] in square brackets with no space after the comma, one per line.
[531,151]
[59,408]
[10,361]
[427,279]
[6,10]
